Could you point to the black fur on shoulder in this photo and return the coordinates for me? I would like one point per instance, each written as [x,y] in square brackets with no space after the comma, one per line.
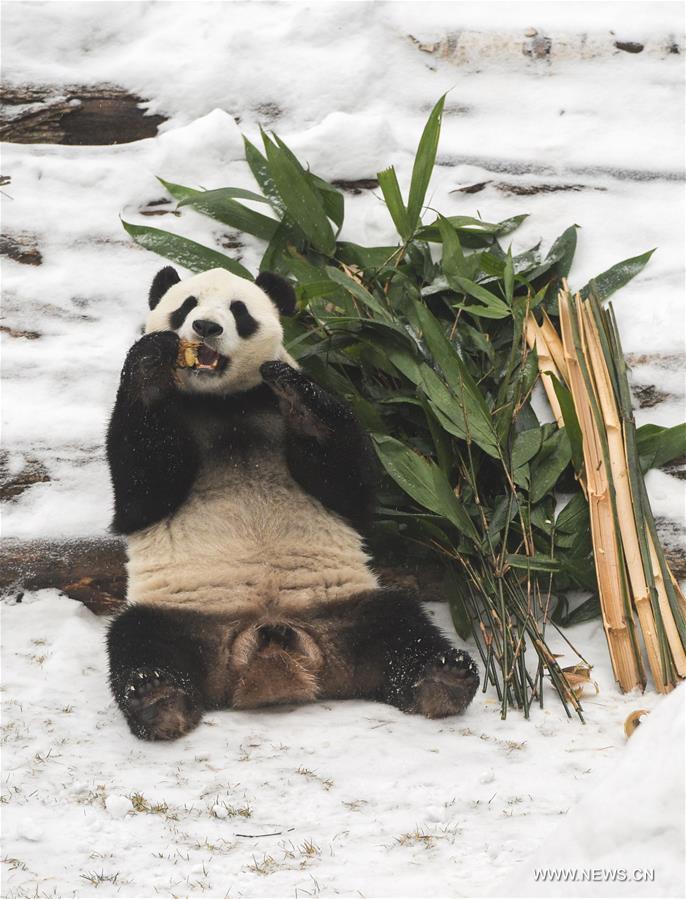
[279,290]
[327,451]
[163,280]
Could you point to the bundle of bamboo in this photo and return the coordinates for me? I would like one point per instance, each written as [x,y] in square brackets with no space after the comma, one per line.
[587,366]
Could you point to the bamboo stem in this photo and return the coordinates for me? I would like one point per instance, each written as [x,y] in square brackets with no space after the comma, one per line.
[625,658]
[546,365]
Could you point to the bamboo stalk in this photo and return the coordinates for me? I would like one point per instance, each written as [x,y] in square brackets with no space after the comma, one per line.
[552,338]
[675,644]
[625,507]
[546,365]
[615,602]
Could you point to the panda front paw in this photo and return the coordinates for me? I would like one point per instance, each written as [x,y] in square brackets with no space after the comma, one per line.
[157,706]
[447,685]
[307,407]
[149,368]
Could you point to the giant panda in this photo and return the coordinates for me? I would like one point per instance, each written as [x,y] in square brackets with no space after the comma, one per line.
[243,490]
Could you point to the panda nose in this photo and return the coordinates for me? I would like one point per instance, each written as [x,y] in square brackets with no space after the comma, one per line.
[205,328]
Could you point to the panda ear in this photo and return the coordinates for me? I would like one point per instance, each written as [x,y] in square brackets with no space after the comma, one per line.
[279,290]
[163,280]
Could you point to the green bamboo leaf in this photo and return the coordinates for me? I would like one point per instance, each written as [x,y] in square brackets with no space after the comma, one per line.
[222,206]
[525,446]
[605,284]
[574,517]
[183,194]
[547,467]
[357,290]
[424,164]
[424,481]
[388,182]
[560,255]
[332,198]
[260,169]
[564,398]
[657,446]
[533,563]
[483,311]
[508,278]
[496,307]
[302,202]
[188,253]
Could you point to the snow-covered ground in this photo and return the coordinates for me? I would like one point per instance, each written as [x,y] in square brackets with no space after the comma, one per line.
[348,798]
[359,797]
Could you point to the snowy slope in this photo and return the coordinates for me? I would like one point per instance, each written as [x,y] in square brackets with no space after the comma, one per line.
[348,798]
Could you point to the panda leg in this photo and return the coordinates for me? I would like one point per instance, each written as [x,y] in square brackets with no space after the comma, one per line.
[156,673]
[384,646]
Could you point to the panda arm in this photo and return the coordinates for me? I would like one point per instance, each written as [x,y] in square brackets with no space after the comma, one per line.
[327,451]
[153,459]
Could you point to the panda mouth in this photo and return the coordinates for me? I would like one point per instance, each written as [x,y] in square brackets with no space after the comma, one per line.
[209,361]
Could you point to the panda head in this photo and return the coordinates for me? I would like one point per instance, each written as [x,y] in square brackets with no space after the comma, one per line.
[236,322]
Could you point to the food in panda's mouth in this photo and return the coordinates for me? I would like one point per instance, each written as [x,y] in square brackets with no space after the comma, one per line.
[198,356]
[187,356]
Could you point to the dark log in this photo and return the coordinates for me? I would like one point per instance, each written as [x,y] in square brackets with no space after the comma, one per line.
[91,571]
[74,115]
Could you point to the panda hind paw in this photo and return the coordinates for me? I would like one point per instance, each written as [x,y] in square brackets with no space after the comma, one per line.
[447,685]
[157,707]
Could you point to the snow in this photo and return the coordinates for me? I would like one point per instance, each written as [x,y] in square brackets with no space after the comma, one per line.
[342,798]
[346,797]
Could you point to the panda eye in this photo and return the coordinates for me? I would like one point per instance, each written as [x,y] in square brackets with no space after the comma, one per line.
[245,323]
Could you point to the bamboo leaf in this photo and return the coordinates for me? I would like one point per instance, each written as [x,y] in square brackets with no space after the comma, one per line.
[388,182]
[301,200]
[496,307]
[260,169]
[605,284]
[424,481]
[356,289]
[525,446]
[657,446]
[564,398]
[221,205]
[547,467]
[424,164]
[533,563]
[467,406]
[188,253]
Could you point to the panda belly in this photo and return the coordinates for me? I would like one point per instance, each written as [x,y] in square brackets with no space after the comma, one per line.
[247,541]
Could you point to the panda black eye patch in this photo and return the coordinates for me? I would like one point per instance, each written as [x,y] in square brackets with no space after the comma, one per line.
[245,323]
[178,317]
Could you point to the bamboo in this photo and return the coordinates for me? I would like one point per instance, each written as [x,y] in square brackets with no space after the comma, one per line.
[673,637]
[609,562]
[625,507]
[552,338]
[546,365]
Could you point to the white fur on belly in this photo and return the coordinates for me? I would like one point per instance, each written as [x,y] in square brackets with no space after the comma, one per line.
[247,539]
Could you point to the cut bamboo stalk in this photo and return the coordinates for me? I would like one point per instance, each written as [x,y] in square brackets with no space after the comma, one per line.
[614,599]
[623,499]
[546,365]
[552,338]
[673,637]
